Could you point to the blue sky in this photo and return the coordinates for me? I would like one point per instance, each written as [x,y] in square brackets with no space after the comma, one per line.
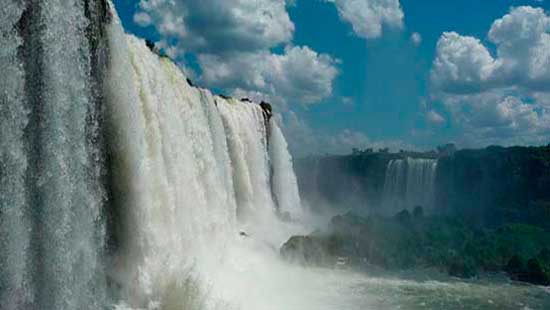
[350,73]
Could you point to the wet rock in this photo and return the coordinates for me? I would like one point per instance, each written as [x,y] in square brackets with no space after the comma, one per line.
[267,109]
[418,212]
[515,265]
[312,250]
[403,216]
[544,256]
[463,268]
[534,273]
[151,45]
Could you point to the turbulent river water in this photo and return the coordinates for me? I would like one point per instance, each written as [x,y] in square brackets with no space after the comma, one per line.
[125,187]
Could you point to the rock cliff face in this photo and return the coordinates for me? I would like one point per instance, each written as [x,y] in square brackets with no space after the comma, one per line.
[497,184]
[490,186]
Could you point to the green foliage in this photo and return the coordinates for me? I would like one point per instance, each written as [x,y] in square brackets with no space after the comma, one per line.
[450,244]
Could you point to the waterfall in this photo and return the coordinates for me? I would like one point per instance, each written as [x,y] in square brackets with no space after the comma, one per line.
[52,232]
[171,150]
[190,171]
[15,219]
[247,146]
[119,182]
[285,184]
[408,183]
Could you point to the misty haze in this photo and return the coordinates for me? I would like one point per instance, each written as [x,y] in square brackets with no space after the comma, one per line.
[274,154]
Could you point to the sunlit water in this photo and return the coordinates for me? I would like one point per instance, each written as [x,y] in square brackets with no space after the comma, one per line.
[394,293]
[198,183]
[271,284]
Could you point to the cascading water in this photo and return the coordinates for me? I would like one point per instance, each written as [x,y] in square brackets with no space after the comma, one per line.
[247,146]
[409,182]
[15,220]
[284,185]
[51,195]
[121,186]
[188,170]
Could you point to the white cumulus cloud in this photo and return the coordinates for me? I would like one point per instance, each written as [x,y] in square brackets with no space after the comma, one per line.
[299,74]
[522,38]
[498,118]
[501,97]
[416,38]
[434,117]
[367,17]
[219,26]
[232,41]
[462,64]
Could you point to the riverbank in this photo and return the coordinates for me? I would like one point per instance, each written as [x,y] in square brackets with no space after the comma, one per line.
[411,241]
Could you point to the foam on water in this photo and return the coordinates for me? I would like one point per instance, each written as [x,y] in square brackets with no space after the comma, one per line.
[199,185]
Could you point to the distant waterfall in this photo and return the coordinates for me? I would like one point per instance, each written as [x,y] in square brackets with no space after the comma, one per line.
[118,179]
[409,182]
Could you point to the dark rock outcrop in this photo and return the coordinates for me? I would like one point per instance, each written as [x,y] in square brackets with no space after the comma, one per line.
[535,273]
[530,272]
[463,268]
[150,44]
[418,212]
[403,216]
[515,265]
[306,250]
[268,111]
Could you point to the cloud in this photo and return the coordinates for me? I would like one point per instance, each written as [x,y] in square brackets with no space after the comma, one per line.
[232,41]
[502,98]
[522,39]
[142,19]
[218,26]
[416,38]
[346,140]
[368,17]
[347,101]
[462,64]
[299,74]
[304,140]
[434,117]
[498,118]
